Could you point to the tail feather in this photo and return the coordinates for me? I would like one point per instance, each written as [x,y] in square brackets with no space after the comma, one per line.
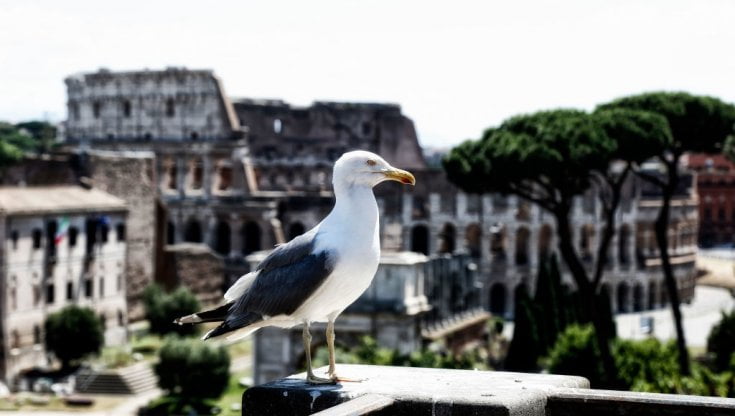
[218,314]
[234,324]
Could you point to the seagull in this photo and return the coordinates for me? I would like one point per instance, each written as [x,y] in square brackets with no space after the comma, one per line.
[317,275]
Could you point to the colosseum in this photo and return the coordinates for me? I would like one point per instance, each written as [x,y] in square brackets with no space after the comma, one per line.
[243,174]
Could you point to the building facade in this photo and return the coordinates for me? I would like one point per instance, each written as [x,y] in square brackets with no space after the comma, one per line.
[61,245]
[716,192]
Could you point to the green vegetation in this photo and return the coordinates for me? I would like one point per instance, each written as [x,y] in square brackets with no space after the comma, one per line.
[15,139]
[697,124]
[73,333]
[162,308]
[551,157]
[721,342]
[183,365]
[434,356]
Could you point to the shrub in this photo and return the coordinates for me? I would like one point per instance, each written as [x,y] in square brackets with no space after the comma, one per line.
[576,353]
[647,365]
[721,341]
[162,308]
[191,370]
[73,333]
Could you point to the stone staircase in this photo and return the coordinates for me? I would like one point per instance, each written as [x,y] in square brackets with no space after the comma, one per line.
[134,379]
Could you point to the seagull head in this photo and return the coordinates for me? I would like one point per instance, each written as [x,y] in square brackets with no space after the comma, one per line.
[362,168]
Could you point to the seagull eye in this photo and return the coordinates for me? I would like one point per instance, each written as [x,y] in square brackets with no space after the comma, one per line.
[371,162]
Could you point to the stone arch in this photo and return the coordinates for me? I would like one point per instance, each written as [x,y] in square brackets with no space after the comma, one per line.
[251,237]
[193,231]
[624,245]
[295,230]
[473,238]
[420,239]
[222,238]
[447,238]
[498,299]
[522,236]
[622,297]
[544,242]
[638,300]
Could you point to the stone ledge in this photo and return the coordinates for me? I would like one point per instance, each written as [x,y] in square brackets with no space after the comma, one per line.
[414,391]
[572,402]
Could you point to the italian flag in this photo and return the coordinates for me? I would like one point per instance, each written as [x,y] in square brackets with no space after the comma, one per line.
[62,230]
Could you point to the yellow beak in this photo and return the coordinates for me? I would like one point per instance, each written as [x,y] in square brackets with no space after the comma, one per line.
[401,176]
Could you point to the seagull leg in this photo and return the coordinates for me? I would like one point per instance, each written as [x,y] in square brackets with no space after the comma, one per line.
[310,377]
[330,344]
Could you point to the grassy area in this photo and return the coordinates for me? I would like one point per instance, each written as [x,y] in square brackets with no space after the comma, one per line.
[25,403]
[233,395]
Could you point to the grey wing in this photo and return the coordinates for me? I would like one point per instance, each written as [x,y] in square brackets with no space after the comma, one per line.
[286,279]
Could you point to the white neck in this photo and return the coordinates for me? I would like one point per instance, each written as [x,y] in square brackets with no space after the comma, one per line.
[355,203]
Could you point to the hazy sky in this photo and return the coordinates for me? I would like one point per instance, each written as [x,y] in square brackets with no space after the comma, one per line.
[456,67]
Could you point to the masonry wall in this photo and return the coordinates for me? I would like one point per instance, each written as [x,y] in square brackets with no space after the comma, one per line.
[131,177]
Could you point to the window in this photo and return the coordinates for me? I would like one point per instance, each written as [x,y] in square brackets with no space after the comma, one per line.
[119,282]
[102,287]
[104,233]
[96,109]
[126,109]
[36,334]
[69,291]
[36,238]
[103,320]
[170,108]
[120,232]
[120,318]
[277,126]
[88,287]
[73,233]
[14,239]
[50,293]
[13,299]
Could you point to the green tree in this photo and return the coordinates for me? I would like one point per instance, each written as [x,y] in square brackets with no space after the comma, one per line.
[576,353]
[698,124]
[548,158]
[162,308]
[42,132]
[721,341]
[525,348]
[191,371]
[639,136]
[73,333]
[12,144]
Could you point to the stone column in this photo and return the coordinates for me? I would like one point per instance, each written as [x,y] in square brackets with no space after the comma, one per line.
[207,175]
[181,173]
[209,223]
[236,245]
[461,204]
[407,208]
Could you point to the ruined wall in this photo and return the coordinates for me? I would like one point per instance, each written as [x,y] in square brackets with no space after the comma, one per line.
[196,267]
[131,177]
[173,104]
[293,148]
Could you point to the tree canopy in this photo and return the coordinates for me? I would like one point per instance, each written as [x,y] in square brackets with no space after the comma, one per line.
[545,157]
[697,123]
[73,333]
